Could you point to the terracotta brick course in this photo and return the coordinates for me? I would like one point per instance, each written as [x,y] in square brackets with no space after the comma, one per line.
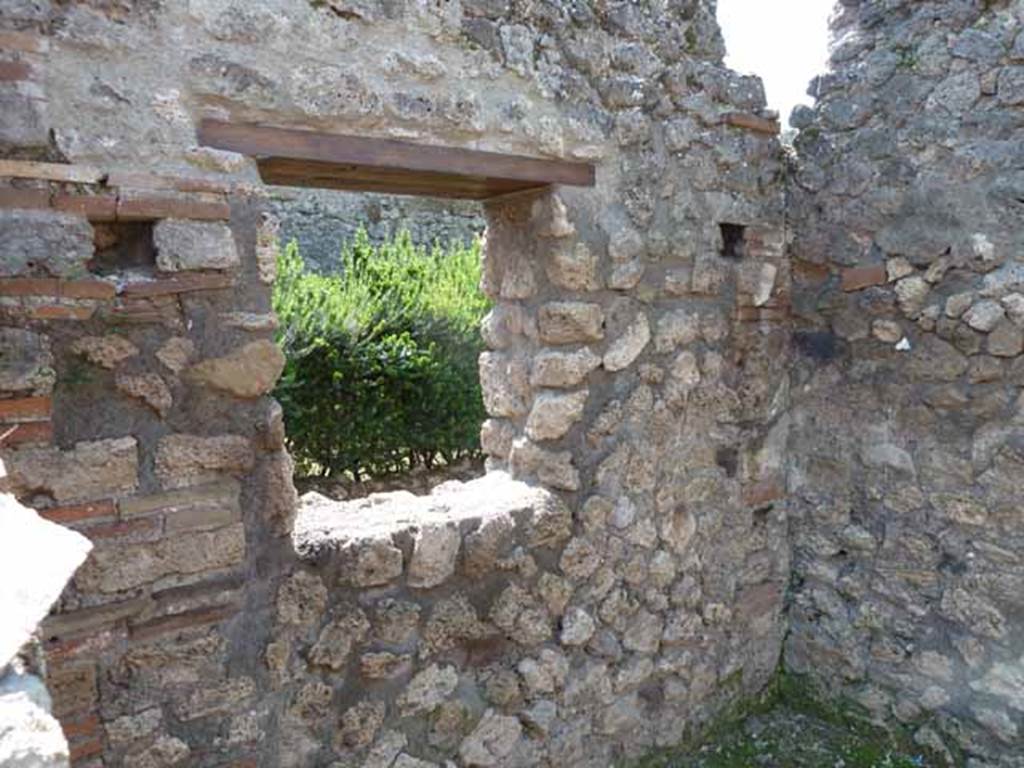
[11,197]
[15,71]
[143,206]
[752,123]
[81,727]
[84,630]
[61,312]
[74,512]
[27,169]
[856,278]
[167,624]
[25,433]
[763,492]
[93,207]
[54,288]
[26,409]
[87,289]
[82,750]
[26,42]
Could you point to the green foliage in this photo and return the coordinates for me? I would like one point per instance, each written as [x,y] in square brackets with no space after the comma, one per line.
[381,373]
[907,56]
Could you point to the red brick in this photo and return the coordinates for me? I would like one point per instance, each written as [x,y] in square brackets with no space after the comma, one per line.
[61,312]
[88,632]
[81,727]
[24,198]
[856,278]
[83,750]
[134,206]
[93,207]
[29,286]
[809,272]
[74,512]
[27,432]
[72,687]
[23,41]
[87,289]
[84,646]
[26,409]
[761,314]
[751,123]
[179,284]
[168,624]
[763,492]
[15,71]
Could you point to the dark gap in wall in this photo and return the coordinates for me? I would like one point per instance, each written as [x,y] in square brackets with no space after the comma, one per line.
[732,240]
[728,459]
[123,246]
[760,515]
[817,345]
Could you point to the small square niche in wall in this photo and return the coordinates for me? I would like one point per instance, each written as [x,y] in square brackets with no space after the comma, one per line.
[123,247]
[733,236]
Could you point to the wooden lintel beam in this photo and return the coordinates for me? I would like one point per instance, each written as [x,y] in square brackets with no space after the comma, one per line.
[334,155]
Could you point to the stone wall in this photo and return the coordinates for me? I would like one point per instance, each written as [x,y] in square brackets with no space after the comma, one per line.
[617,579]
[906,448]
[320,221]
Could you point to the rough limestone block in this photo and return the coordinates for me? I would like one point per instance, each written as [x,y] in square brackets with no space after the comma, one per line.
[117,568]
[554,413]
[176,352]
[676,328]
[627,348]
[107,351]
[43,242]
[553,468]
[428,689]
[24,124]
[577,627]
[570,322]
[149,388]
[26,362]
[301,599]
[337,640]
[1006,340]
[492,741]
[563,369]
[183,245]
[573,266]
[505,384]
[434,553]
[90,470]
[187,459]
[248,372]
[266,247]
[496,436]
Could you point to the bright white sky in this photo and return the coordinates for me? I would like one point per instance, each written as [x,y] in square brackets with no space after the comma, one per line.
[783,41]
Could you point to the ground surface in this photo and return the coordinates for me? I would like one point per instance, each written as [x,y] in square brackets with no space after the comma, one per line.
[784,738]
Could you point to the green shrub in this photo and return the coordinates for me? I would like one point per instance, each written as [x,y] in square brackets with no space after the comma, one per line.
[381,373]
